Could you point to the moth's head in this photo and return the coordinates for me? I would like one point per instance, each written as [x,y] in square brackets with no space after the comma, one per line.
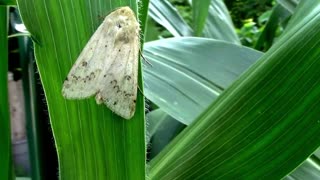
[126,11]
[125,20]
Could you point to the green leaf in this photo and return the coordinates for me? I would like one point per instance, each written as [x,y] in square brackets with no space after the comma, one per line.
[290,5]
[219,24]
[300,16]
[309,169]
[268,34]
[200,14]
[142,16]
[188,73]
[32,107]
[92,142]
[164,129]
[154,120]
[5,139]
[151,32]
[265,124]
[7,2]
[166,15]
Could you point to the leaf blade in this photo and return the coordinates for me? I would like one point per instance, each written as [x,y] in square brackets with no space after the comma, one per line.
[262,116]
[91,141]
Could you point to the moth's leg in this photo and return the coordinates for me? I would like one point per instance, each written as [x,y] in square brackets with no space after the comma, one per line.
[141,91]
[144,58]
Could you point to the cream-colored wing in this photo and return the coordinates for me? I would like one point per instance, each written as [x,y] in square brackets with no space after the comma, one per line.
[108,65]
[83,78]
[118,88]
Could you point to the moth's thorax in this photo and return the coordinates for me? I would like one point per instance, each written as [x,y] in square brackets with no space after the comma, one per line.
[124,25]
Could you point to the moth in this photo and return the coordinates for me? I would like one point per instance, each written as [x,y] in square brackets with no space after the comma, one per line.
[107,67]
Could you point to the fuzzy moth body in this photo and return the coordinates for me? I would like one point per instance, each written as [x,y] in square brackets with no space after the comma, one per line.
[108,65]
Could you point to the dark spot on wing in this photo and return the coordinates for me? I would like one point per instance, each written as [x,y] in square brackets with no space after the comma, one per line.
[105,75]
[119,25]
[91,76]
[115,103]
[134,101]
[116,87]
[119,50]
[127,77]
[106,45]
[113,82]
[84,63]
[75,77]
[122,37]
